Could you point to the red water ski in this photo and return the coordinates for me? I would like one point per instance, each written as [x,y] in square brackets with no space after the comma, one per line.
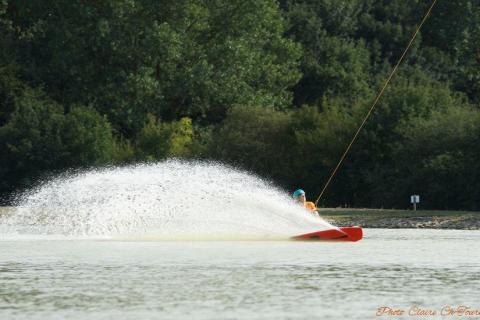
[341,234]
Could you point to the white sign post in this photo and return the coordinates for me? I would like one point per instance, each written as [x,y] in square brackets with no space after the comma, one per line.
[414,199]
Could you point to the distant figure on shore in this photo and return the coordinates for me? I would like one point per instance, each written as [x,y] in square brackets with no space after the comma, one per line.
[299,195]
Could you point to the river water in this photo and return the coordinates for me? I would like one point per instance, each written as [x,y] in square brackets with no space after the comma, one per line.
[408,271]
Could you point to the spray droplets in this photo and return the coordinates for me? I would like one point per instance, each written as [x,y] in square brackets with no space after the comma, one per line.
[168,200]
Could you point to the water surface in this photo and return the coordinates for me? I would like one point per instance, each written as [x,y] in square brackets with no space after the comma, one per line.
[104,279]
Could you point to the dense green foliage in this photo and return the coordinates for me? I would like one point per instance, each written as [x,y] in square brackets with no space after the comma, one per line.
[277,88]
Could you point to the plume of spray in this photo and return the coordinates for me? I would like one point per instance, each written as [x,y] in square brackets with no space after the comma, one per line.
[170,200]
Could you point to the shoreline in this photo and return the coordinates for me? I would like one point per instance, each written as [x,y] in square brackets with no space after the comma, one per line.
[412,223]
[402,219]
[390,219]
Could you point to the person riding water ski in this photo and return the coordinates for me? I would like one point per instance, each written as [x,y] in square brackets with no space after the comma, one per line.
[299,195]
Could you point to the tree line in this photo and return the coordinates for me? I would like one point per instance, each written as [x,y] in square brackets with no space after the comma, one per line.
[276,88]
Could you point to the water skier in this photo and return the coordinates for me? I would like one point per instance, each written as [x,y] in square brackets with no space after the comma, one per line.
[299,195]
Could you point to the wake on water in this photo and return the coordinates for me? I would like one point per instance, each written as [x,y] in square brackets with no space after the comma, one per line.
[171,200]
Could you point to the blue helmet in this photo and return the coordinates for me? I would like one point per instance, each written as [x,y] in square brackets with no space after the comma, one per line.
[298,193]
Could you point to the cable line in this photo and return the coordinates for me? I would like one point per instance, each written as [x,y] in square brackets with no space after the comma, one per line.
[379,95]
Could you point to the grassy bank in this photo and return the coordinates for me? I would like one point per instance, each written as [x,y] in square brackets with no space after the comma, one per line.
[382,218]
[346,213]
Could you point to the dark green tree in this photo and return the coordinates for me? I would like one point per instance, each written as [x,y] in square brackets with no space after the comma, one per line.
[39,138]
[168,58]
[256,139]
[440,155]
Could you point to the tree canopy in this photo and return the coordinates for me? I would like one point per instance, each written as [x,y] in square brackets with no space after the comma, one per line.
[277,88]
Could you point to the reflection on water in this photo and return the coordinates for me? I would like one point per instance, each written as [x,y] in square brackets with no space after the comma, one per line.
[247,280]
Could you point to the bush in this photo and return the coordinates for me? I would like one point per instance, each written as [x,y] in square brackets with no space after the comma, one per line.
[159,140]
[39,138]
[255,138]
[87,138]
[440,155]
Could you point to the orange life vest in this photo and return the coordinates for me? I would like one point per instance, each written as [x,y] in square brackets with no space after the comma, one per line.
[310,206]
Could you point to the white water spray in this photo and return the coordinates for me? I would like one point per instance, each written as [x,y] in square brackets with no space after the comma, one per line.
[171,200]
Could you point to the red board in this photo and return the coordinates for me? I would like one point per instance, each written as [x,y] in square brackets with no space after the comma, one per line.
[341,234]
